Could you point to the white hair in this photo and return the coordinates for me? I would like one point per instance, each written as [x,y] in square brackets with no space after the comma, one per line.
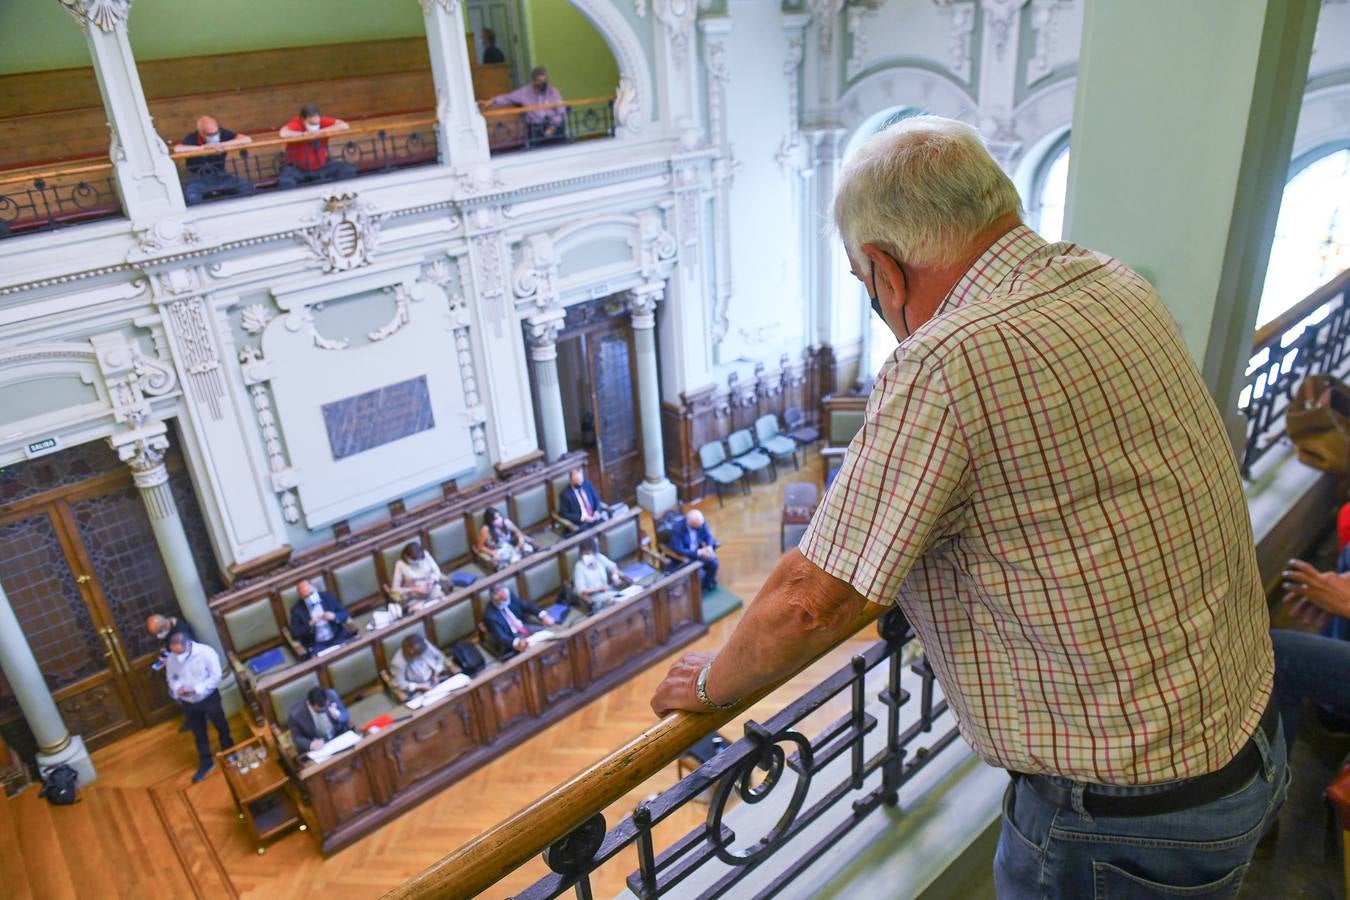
[694,518]
[921,190]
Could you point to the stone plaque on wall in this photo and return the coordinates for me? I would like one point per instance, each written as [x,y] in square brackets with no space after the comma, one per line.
[378,417]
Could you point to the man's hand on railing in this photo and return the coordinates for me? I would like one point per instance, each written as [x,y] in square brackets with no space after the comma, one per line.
[677,690]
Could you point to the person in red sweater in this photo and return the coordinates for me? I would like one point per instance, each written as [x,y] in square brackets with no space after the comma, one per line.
[308,162]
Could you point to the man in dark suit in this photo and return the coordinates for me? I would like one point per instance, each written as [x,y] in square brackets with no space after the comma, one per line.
[580,503]
[491,52]
[693,539]
[505,620]
[318,620]
[317,719]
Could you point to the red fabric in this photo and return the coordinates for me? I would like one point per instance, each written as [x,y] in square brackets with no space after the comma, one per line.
[1343,525]
[308,155]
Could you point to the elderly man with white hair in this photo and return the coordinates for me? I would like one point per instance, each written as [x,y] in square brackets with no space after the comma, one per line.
[1045,488]
[693,539]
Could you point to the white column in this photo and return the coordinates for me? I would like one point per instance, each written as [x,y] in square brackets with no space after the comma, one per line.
[1191,199]
[542,334]
[144,455]
[56,745]
[145,175]
[823,257]
[460,130]
[656,494]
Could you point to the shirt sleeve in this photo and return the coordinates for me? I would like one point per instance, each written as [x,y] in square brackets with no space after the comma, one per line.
[327,121]
[900,489]
[227,135]
[211,673]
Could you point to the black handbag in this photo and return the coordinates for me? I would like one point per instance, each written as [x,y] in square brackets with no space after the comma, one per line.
[467,657]
[59,785]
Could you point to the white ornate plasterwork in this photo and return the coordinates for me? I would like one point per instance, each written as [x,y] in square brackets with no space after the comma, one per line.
[1000,19]
[678,18]
[196,348]
[627,106]
[536,275]
[487,262]
[960,38]
[131,377]
[344,234]
[1043,14]
[165,237]
[402,316]
[719,76]
[628,51]
[450,7]
[106,15]
[438,273]
[640,8]
[857,41]
[254,318]
[657,245]
[825,12]
[256,374]
[144,456]
[790,157]
[642,302]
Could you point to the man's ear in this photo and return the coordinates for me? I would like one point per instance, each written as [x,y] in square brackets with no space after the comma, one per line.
[885,266]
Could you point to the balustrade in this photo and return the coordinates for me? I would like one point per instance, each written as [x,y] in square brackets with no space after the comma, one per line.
[526,128]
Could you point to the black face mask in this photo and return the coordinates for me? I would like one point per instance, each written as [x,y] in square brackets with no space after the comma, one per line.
[876,304]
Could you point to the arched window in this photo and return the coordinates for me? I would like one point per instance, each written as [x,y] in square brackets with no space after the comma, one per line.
[1312,234]
[1048,191]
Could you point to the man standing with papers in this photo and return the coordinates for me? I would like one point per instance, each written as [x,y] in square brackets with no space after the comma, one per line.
[318,719]
[193,673]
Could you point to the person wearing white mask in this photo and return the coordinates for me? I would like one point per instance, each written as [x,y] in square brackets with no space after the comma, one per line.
[193,672]
[209,174]
[162,628]
[595,575]
[308,162]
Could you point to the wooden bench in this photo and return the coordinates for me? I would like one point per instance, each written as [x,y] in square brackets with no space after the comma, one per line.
[253,615]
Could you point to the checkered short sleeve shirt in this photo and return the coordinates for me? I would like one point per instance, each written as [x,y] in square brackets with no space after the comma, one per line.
[1044,485]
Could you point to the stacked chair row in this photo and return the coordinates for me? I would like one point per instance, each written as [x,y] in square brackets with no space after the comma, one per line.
[253,617]
[746,453]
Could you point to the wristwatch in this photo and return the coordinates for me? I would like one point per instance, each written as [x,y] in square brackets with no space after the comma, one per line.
[701,690]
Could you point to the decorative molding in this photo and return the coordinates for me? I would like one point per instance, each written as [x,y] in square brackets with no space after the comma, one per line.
[1000,21]
[825,12]
[1043,14]
[790,157]
[344,234]
[640,8]
[678,18]
[256,373]
[487,264]
[402,298]
[254,318]
[438,272]
[960,39]
[536,275]
[449,7]
[657,246]
[196,351]
[719,76]
[761,334]
[131,377]
[627,105]
[165,236]
[642,302]
[106,15]
[144,455]
[857,41]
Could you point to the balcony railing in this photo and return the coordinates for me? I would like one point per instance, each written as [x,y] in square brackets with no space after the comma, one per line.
[549,124]
[33,201]
[1312,337]
[367,147]
[568,827]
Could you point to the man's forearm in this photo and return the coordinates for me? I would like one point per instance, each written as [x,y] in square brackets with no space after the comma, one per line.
[798,614]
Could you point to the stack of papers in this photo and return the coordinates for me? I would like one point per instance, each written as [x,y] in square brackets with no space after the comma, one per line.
[453,683]
[344,741]
[631,591]
[327,650]
[540,637]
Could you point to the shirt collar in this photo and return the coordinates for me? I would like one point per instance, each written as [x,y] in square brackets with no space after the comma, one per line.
[994,267]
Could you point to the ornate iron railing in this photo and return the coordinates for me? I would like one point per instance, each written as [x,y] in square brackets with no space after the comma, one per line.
[751,769]
[1312,337]
[549,124]
[38,201]
[257,165]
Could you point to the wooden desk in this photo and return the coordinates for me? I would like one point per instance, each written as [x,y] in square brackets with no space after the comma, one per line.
[360,789]
[263,796]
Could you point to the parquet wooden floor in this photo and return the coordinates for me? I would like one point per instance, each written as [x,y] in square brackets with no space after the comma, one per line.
[144,831]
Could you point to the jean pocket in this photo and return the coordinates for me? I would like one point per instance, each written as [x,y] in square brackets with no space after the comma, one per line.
[1010,821]
[1112,883]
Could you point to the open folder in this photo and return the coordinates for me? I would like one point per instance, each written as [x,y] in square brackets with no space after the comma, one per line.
[344,741]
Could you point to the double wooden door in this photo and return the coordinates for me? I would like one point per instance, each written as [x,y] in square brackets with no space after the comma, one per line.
[82,570]
[613,386]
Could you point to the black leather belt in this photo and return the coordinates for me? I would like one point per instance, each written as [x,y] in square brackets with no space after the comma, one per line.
[1178,796]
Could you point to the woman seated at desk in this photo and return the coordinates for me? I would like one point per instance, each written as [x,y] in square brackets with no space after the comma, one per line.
[417,665]
[595,577]
[417,578]
[500,540]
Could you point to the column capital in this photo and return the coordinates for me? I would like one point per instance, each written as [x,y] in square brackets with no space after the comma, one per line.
[541,333]
[144,455]
[106,15]
[642,303]
[449,7]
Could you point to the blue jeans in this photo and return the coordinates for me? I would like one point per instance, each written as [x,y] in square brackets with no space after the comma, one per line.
[1311,667]
[1045,851]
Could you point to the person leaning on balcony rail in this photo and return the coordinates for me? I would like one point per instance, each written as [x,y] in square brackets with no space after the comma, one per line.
[308,161]
[1044,486]
[208,173]
[543,124]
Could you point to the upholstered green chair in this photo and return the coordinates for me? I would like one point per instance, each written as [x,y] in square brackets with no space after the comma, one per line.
[356,678]
[620,542]
[716,468]
[357,585]
[529,510]
[539,583]
[774,442]
[253,629]
[455,623]
[448,544]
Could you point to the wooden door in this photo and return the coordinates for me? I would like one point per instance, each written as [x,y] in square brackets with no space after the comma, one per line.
[613,380]
[83,572]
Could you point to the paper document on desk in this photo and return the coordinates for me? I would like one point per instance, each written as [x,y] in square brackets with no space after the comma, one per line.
[631,591]
[344,741]
[540,637]
[327,650]
[453,683]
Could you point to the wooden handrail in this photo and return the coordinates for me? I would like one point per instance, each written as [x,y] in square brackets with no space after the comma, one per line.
[493,855]
[278,141]
[498,112]
[52,173]
[1271,332]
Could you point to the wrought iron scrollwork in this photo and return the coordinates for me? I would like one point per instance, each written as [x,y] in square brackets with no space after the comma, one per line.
[771,760]
[572,853]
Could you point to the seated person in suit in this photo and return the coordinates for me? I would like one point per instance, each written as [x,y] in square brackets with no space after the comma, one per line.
[580,503]
[318,620]
[595,575]
[505,619]
[500,540]
[693,539]
[317,719]
[417,578]
[417,665]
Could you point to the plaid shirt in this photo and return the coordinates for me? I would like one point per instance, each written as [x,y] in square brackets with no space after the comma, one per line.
[1045,486]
